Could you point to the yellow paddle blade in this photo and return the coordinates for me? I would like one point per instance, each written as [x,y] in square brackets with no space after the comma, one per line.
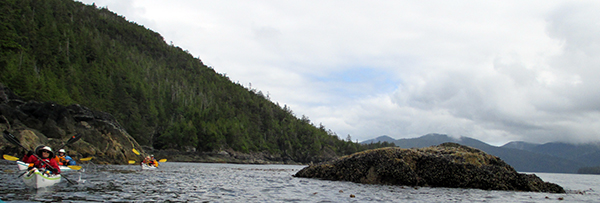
[162,160]
[135,151]
[131,162]
[10,158]
[75,167]
[86,158]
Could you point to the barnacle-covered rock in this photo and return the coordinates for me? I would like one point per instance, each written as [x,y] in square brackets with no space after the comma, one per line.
[446,165]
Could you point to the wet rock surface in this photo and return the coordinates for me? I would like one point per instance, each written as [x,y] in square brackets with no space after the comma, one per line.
[446,165]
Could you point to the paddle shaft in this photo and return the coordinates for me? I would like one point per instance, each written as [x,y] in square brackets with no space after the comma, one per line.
[14,140]
[22,174]
[11,138]
[71,140]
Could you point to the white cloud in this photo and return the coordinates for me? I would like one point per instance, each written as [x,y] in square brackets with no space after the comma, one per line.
[496,71]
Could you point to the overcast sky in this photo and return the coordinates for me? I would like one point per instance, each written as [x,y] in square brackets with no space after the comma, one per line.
[497,71]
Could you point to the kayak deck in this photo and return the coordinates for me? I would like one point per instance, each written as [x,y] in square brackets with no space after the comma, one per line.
[23,166]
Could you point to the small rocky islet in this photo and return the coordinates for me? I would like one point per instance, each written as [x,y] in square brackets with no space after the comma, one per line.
[446,165]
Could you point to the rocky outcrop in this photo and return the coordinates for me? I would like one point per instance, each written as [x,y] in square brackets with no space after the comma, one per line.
[446,165]
[47,123]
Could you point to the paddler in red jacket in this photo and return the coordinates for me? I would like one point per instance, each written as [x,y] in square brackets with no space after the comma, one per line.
[45,161]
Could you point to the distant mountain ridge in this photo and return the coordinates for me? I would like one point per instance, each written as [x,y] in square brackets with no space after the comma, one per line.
[553,157]
[520,145]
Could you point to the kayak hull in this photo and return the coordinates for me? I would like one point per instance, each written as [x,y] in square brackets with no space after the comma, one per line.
[148,167]
[23,166]
[37,179]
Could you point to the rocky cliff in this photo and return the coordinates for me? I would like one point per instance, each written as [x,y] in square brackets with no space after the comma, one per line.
[446,165]
[47,123]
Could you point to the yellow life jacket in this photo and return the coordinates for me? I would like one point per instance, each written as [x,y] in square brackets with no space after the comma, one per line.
[61,160]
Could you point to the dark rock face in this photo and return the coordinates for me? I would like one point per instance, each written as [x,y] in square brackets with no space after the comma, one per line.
[446,165]
[36,123]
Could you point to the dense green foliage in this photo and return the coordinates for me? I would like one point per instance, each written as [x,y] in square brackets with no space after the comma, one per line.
[68,52]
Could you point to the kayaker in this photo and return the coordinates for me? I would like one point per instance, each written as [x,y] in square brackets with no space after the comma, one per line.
[26,157]
[150,161]
[63,159]
[153,161]
[46,158]
[146,160]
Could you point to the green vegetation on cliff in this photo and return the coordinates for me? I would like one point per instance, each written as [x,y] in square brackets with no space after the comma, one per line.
[68,52]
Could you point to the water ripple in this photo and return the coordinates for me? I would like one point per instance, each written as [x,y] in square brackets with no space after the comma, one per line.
[195,182]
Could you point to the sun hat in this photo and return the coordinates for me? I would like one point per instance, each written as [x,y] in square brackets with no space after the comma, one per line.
[46,148]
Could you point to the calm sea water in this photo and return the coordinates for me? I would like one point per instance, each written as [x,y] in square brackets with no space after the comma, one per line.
[201,182]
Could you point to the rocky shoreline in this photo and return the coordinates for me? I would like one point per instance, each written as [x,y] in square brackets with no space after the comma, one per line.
[223,156]
[446,165]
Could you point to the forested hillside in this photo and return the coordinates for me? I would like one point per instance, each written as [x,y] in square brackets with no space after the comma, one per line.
[67,52]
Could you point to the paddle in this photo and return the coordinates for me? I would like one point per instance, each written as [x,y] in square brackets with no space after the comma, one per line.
[12,139]
[71,140]
[22,174]
[138,153]
[135,151]
[74,167]
[10,158]
[86,158]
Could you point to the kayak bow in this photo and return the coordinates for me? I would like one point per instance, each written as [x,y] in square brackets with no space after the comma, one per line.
[36,179]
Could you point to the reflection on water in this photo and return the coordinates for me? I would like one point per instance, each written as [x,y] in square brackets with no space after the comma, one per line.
[198,182]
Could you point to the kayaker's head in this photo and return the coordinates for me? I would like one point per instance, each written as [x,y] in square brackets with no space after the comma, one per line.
[61,152]
[37,149]
[46,152]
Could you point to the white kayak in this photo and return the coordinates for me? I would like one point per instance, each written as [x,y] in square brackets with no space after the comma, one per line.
[147,167]
[23,166]
[36,179]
